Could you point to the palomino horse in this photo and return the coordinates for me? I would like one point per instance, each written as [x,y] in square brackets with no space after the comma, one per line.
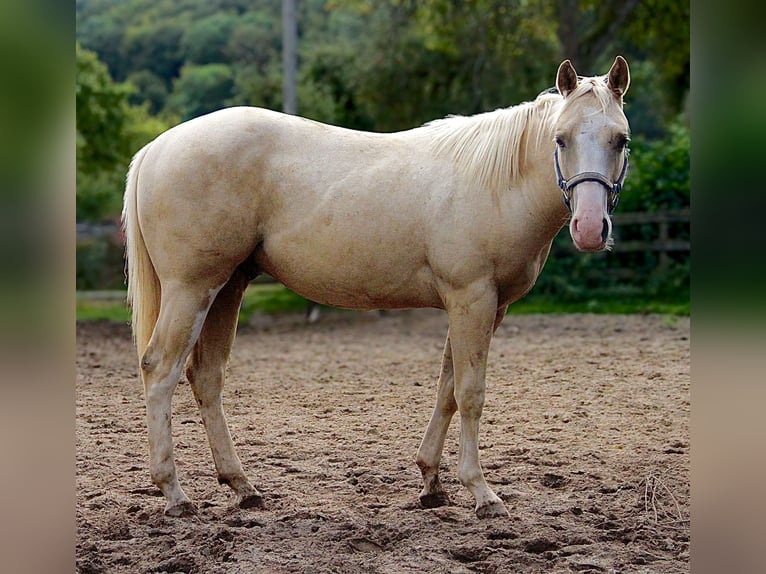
[458,214]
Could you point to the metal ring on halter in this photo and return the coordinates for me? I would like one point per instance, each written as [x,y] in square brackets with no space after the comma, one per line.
[613,188]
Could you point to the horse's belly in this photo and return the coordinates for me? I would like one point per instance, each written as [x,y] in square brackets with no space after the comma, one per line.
[351,276]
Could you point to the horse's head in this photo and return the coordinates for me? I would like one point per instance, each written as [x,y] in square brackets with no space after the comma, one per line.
[591,135]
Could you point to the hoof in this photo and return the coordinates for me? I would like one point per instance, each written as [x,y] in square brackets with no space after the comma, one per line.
[250,500]
[434,500]
[181,509]
[491,510]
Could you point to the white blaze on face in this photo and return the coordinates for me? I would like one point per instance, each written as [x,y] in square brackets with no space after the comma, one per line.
[590,151]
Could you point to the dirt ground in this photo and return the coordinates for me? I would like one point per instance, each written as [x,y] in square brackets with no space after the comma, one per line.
[585,436]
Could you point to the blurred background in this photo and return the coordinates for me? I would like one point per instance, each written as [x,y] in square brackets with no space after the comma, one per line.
[146,65]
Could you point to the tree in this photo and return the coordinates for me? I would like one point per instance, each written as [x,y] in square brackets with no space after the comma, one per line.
[416,61]
[201,89]
[592,32]
[150,89]
[109,132]
[205,42]
[589,29]
[394,63]
[101,116]
[156,47]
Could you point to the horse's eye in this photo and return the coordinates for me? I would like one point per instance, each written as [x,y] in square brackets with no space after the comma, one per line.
[560,142]
[621,142]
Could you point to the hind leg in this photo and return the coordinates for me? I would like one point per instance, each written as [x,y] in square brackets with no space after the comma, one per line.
[430,451]
[206,371]
[182,314]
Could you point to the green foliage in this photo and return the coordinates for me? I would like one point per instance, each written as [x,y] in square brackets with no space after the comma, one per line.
[156,47]
[201,89]
[150,89]
[102,146]
[389,65]
[99,194]
[659,172]
[612,303]
[206,41]
[658,180]
[661,30]
[99,265]
[413,62]
[385,65]
[109,131]
[100,115]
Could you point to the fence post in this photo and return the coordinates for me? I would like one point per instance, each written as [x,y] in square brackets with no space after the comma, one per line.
[664,235]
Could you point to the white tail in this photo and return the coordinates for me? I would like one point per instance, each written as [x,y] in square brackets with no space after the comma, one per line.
[143,283]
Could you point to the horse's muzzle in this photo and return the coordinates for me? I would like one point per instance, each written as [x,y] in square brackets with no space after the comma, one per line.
[590,227]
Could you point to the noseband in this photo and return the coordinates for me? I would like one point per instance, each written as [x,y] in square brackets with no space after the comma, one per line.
[613,189]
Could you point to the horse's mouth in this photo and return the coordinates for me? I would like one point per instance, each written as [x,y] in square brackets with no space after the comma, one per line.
[589,237]
[590,226]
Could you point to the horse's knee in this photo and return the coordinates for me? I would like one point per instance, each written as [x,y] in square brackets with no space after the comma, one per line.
[158,371]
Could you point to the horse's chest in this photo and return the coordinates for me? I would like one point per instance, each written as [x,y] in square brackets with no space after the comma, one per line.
[517,277]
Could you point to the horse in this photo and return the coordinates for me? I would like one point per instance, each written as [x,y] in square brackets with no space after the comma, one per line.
[457,214]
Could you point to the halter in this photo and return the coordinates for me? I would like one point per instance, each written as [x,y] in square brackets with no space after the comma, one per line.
[613,189]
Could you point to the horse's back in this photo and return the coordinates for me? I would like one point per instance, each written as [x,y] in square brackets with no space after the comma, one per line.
[338,215]
[253,151]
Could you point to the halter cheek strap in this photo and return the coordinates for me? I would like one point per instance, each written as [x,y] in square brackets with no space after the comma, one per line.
[613,189]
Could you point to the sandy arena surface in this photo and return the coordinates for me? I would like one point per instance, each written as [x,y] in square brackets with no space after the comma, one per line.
[585,436]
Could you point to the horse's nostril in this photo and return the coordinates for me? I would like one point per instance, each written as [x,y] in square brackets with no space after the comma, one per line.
[605,231]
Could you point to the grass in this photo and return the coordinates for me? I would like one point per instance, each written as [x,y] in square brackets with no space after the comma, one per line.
[605,305]
[274,298]
[114,310]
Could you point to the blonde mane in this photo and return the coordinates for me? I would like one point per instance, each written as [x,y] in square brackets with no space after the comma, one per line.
[493,147]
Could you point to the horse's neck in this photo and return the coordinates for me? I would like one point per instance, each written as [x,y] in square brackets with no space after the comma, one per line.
[507,155]
[534,188]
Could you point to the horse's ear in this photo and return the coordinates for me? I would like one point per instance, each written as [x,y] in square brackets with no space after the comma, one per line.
[618,78]
[566,78]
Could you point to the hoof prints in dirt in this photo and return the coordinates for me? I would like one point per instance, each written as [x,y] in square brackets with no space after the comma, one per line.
[185,564]
[591,461]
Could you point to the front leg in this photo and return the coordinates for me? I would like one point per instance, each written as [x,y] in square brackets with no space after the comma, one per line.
[430,451]
[473,316]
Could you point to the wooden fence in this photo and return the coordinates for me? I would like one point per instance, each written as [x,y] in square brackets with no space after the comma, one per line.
[663,219]
[663,241]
